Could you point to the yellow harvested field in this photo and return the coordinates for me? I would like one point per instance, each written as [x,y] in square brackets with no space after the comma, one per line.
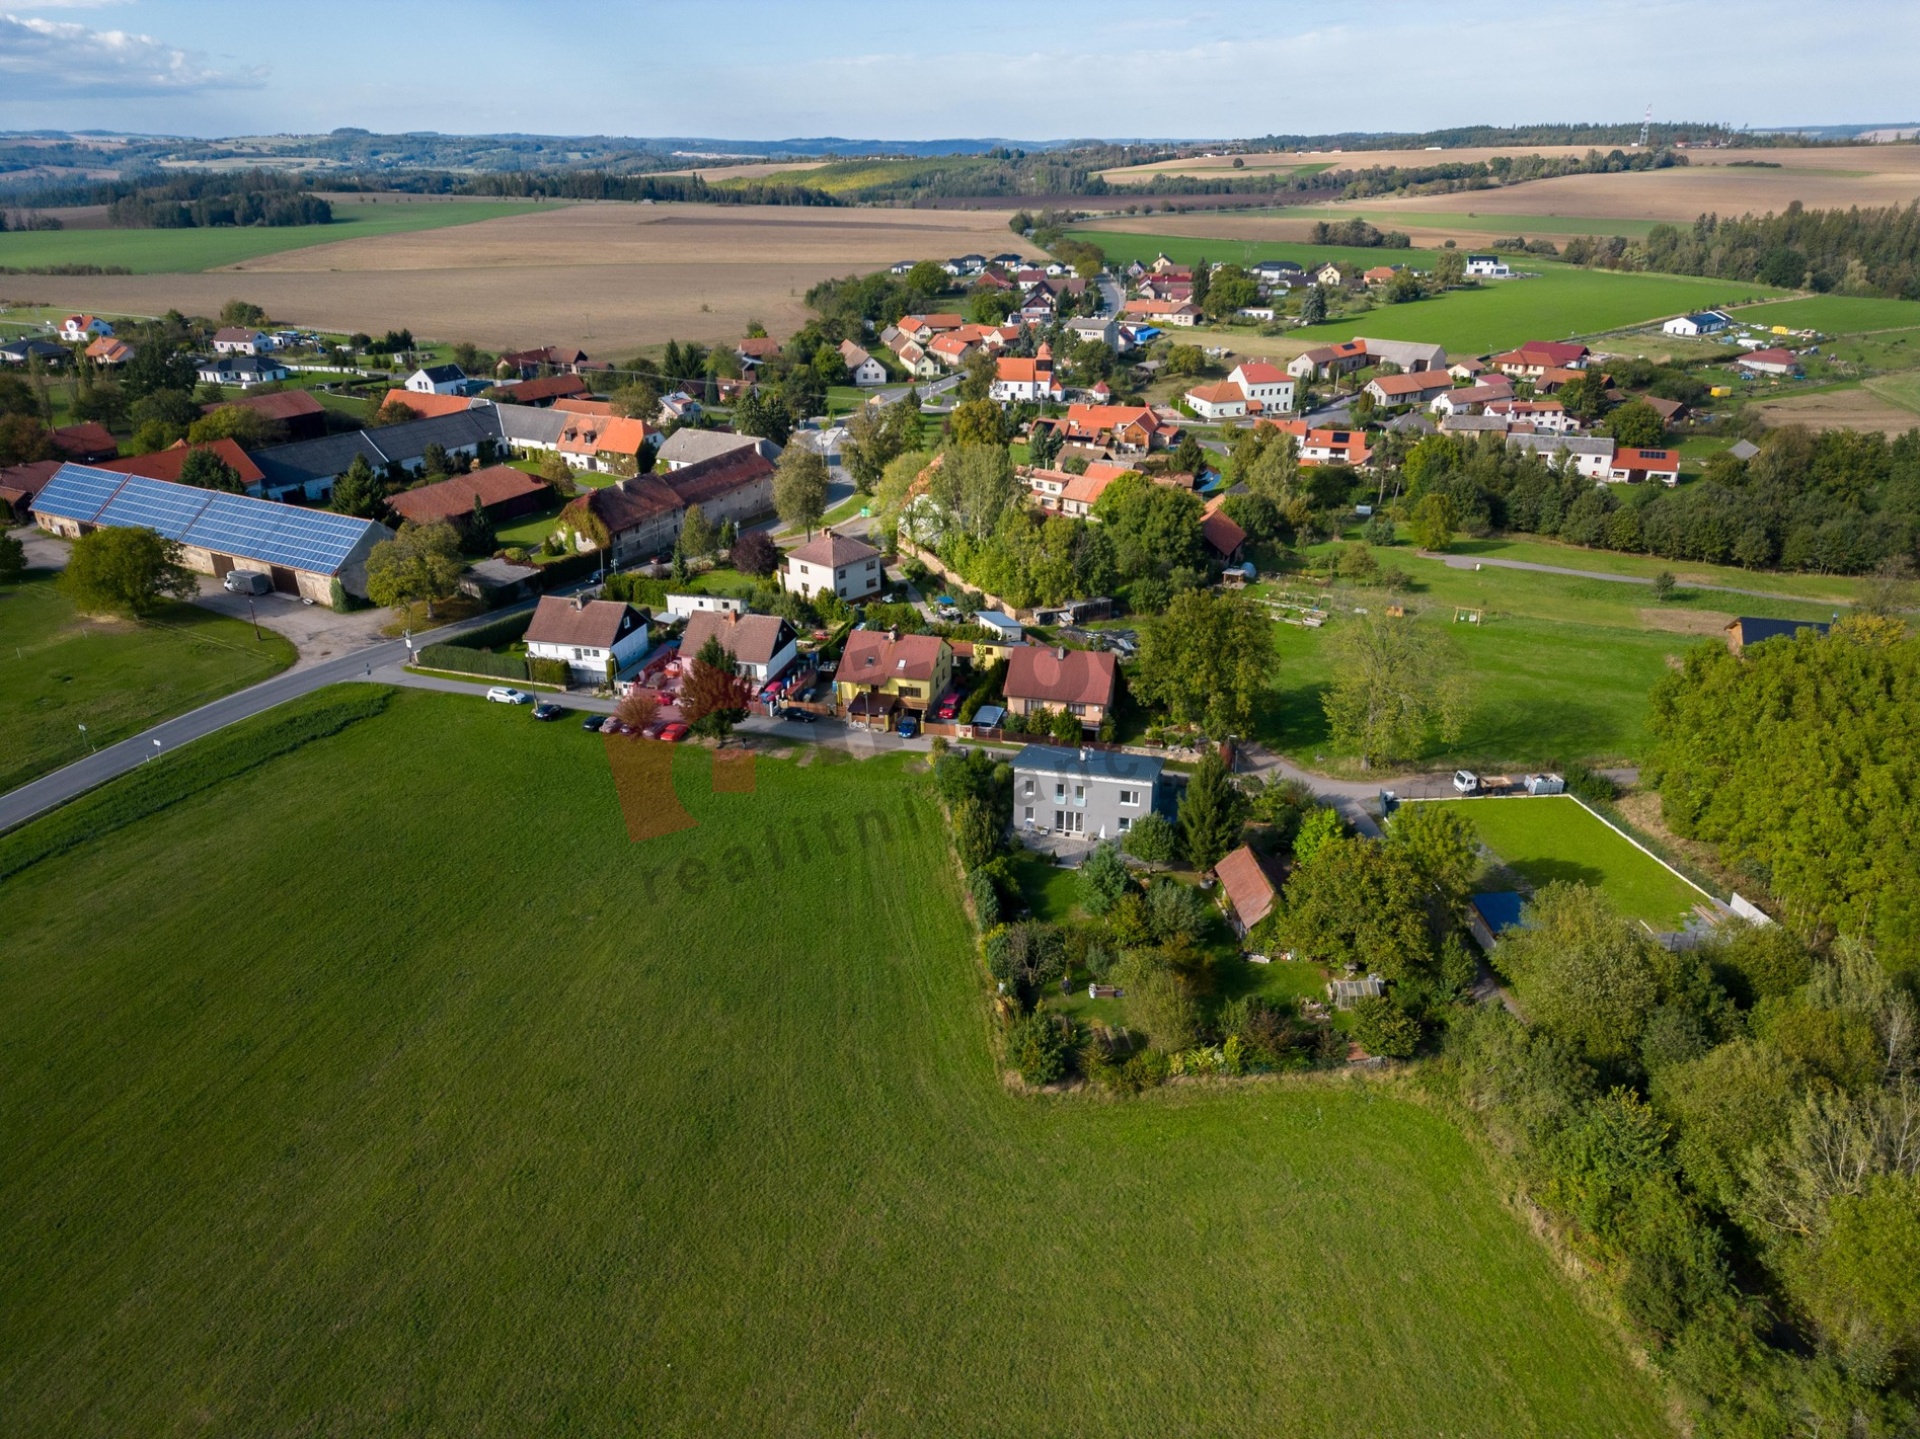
[607,277]
[1267,162]
[1839,410]
[718,170]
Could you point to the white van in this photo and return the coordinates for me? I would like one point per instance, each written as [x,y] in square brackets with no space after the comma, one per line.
[248,582]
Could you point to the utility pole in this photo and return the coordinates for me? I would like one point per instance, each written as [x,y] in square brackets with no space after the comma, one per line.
[1646,125]
[254,617]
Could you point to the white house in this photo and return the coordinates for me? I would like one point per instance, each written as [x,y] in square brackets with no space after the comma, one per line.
[1025,381]
[1268,388]
[762,646]
[245,371]
[437,380]
[587,635]
[1706,322]
[1102,329]
[1591,458]
[239,340]
[1222,400]
[1488,267]
[77,328]
[862,368]
[837,564]
[680,607]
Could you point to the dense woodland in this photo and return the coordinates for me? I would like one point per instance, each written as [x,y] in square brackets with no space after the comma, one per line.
[1858,252]
[187,202]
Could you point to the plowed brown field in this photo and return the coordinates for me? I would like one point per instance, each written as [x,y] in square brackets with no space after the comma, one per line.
[606,277]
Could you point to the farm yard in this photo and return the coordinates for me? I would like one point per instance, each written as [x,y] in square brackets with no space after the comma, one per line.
[1552,838]
[602,1145]
[610,277]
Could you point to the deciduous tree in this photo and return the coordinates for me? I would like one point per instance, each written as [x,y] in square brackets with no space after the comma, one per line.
[131,569]
[800,487]
[755,553]
[1207,660]
[421,562]
[1396,683]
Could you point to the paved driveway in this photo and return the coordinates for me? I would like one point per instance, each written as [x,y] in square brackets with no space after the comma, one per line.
[316,631]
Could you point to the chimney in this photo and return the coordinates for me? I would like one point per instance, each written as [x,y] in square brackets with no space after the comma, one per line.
[579,602]
[1060,653]
[893,636]
[1083,754]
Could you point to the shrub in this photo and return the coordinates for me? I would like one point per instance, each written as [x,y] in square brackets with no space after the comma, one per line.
[1103,879]
[1037,1046]
[1175,911]
[461,660]
[1589,784]
[1383,1028]
[1148,1068]
[986,899]
[497,634]
[548,672]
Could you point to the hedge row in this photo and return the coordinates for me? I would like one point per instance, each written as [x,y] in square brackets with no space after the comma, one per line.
[461,660]
[175,776]
[497,634]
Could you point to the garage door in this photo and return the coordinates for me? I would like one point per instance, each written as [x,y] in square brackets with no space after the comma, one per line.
[285,581]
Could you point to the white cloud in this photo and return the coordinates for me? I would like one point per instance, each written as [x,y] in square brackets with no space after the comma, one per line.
[60,60]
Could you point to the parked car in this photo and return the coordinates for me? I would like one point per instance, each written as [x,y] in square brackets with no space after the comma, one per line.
[547,710]
[591,724]
[652,731]
[908,727]
[1466,781]
[794,712]
[674,733]
[508,695]
[247,582]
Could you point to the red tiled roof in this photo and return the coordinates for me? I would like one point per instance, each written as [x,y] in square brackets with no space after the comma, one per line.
[286,405]
[84,441]
[874,657]
[1768,357]
[592,434]
[549,387]
[1248,886]
[582,405]
[750,639]
[166,464]
[1221,392]
[1259,372]
[1664,461]
[427,406]
[833,551]
[453,498]
[1049,676]
[1222,533]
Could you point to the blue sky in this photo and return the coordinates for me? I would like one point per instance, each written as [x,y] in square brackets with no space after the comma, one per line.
[761,69]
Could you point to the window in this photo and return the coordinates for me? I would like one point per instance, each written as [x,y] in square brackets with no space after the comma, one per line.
[1126,823]
[1029,788]
[1060,819]
[1130,796]
[576,652]
[1059,791]
[1079,794]
[1029,814]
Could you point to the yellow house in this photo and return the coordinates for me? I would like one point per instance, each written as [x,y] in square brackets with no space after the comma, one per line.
[883,670]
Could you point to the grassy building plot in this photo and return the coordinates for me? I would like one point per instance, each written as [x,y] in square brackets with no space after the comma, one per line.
[390,1087]
[1554,837]
[60,670]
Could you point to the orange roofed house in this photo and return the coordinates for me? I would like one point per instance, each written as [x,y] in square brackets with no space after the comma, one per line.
[610,444]
[500,490]
[1043,680]
[883,671]
[1125,427]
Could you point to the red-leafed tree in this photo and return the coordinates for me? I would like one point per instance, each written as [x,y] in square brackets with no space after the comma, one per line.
[714,698]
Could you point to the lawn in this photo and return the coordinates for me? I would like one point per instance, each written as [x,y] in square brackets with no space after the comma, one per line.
[389,1088]
[1836,314]
[1555,837]
[1121,247]
[59,670]
[1559,667]
[150,252]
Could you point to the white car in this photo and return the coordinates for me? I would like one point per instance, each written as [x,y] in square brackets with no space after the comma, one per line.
[508,695]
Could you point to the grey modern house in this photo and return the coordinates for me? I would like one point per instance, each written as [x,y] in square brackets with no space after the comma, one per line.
[1095,794]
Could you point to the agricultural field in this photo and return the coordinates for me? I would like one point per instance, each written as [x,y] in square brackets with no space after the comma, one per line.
[148,252]
[848,177]
[1847,407]
[1559,667]
[1554,837]
[60,670]
[1291,223]
[610,277]
[1221,167]
[689,1136]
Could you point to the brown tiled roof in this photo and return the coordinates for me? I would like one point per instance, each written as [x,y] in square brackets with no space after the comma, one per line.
[287,405]
[582,405]
[628,504]
[1249,888]
[707,480]
[1222,533]
[558,620]
[452,498]
[759,347]
[166,464]
[873,657]
[750,639]
[551,387]
[833,550]
[22,482]
[83,441]
[1035,672]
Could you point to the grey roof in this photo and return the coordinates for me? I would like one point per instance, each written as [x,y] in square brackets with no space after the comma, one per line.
[242,365]
[440,374]
[318,541]
[19,351]
[1413,421]
[1455,424]
[531,424]
[689,446]
[1743,449]
[1088,763]
[1548,444]
[307,461]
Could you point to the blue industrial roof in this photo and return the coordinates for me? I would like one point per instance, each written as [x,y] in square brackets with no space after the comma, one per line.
[314,540]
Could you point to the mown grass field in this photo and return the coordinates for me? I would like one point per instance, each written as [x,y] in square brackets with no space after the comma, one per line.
[155,252]
[1553,837]
[1123,246]
[1559,667]
[60,670]
[390,1089]
[1836,314]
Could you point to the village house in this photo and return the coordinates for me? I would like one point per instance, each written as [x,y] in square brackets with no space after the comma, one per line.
[1547,416]
[1329,362]
[1488,267]
[1633,466]
[1471,399]
[883,672]
[499,491]
[1770,362]
[1045,680]
[1248,887]
[606,444]
[1124,427]
[763,647]
[1326,446]
[1182,314]
[1100,328]
[1591,457]
[641,516]
[78,328]
[862,368]
[1026,381]
[834,564]
[108,351]
[1221,400]
[1533,359]
[243,371]
[1083,793]
[1267,387]
[688,447]
[546,359]
[600,641]
[437,380]
[1408,389]
[1221,532]
[240,340]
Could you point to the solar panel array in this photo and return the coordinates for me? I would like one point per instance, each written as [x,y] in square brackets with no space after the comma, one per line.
[229,524]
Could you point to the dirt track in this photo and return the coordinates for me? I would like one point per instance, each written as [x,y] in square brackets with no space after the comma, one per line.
[607,277]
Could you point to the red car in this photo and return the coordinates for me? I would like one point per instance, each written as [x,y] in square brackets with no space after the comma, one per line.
[674,733]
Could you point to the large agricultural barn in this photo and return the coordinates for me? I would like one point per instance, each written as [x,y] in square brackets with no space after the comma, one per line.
[303,551]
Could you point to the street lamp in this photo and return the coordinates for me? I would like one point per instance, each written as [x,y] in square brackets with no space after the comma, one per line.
[156,748]
[88,738]
[254,617]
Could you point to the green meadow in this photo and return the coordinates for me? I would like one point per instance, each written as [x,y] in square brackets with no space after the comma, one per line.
[389,1088]
[155,252]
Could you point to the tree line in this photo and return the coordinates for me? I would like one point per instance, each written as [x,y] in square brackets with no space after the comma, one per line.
[187,202]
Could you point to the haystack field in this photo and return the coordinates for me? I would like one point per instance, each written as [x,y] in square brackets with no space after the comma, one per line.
[606,277]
